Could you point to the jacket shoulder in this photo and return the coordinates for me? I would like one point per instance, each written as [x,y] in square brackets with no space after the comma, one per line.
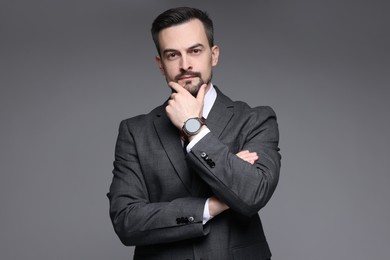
[243,109]
[142,120]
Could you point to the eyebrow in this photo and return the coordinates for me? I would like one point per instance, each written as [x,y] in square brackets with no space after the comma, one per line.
[192,47]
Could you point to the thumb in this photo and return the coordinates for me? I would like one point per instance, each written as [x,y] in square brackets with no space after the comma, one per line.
[201,93]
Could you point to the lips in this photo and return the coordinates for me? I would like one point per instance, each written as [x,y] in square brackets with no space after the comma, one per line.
[186,77]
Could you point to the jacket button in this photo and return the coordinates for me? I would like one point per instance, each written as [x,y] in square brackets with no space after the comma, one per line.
[212,164]
[191,219]
[182,220]
[203,155]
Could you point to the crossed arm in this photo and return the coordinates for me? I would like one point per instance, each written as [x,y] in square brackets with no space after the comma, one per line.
[182,106]
[217,206]
[242,181]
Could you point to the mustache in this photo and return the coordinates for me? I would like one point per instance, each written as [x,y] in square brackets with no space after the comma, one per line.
[187,73]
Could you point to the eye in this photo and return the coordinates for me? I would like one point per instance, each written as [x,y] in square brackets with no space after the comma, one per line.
[196,51]
[171,55]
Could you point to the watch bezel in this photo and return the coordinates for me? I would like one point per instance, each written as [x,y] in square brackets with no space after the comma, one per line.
[189,133]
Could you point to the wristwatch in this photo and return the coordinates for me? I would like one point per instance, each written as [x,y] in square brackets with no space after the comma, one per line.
[192,126]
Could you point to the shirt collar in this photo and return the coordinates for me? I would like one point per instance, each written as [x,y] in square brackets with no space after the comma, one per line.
[209,100]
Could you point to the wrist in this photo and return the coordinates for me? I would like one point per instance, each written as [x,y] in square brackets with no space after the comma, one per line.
[216,206]
[192,127]
[192,137]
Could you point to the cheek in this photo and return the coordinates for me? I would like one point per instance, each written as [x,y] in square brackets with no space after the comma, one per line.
[207,67]
[163,72]
[170,74]
[172,67]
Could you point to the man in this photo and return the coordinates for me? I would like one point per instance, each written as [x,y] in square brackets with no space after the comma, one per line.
[201,203]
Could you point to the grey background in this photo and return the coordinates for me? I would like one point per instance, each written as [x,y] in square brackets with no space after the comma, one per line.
[71,70]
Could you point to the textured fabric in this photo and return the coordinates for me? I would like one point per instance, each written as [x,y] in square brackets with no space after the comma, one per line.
[158,193]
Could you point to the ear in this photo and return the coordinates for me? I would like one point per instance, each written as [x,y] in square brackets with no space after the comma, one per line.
[160,65]
[214,55]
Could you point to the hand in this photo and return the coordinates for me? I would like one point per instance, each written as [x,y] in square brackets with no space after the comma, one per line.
[250,157]
[183,105]
[216,206]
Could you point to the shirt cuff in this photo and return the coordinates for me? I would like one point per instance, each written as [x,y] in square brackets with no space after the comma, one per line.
[197,138]
[206,213]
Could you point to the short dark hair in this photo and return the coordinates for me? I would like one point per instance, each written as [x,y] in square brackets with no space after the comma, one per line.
[179,15]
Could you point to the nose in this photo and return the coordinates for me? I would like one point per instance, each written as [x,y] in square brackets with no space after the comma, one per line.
[185,63]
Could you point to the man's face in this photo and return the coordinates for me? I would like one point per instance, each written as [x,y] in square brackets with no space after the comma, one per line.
[186,56]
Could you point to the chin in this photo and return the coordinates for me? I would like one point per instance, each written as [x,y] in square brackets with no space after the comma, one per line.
[193,89]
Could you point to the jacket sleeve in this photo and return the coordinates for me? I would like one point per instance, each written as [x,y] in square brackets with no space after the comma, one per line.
[136,220]
[245,188]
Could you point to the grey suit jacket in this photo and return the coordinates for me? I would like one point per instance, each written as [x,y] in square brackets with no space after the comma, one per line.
[158,193]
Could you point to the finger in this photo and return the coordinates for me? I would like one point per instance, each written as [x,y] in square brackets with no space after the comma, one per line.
[242,152]
[254,157]
[246,154]
[250,157]
[175,86]
[173,95]
[201,92]
[245,157]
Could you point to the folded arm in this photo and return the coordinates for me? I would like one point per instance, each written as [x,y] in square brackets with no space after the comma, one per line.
[242,186]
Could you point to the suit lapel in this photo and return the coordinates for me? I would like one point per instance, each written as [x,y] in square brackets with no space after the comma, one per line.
[169,136]
[220,114]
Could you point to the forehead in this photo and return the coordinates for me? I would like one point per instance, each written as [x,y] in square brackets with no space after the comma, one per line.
[183,35]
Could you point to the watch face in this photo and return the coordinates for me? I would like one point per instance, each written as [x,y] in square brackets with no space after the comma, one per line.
[192,125]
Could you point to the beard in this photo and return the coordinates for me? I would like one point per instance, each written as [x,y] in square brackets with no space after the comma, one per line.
[190,85]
